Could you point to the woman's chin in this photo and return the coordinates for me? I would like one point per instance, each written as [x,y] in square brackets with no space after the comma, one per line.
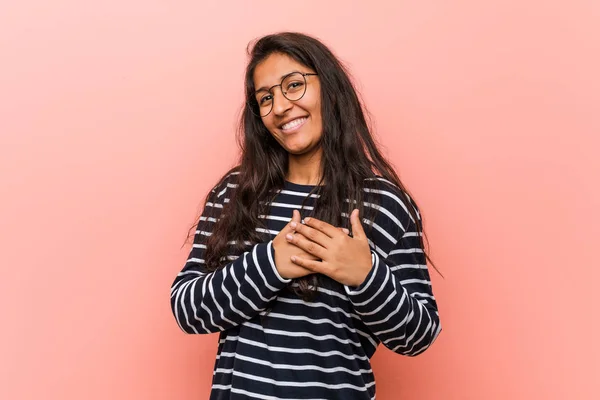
[298,150]
[299,147]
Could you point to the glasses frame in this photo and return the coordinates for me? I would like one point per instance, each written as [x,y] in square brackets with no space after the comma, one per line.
[253,103]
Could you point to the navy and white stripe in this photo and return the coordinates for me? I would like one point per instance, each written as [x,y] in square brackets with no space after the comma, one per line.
[273,344]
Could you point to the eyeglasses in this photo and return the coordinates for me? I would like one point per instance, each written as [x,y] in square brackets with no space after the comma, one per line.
[293,87]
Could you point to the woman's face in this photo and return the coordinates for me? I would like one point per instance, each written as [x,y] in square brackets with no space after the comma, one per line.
[296,125]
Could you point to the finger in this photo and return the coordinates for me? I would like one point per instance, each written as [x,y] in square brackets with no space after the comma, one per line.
[311,265]
[357,229]
[322,226]
[295,218]
[313,235]
[306,245]
[307,256]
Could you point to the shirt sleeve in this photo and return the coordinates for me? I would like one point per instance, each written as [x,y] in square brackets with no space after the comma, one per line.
[207,302]
[396,300]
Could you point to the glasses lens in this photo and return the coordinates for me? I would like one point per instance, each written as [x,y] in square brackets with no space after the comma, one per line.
[262,104]
[294,86]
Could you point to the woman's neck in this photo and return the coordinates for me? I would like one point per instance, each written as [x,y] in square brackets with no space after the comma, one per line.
[305,169]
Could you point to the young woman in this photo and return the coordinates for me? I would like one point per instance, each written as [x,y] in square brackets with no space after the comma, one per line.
[310,252]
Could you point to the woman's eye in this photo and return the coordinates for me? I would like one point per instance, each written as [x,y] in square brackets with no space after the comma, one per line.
[264,99]
[295,85]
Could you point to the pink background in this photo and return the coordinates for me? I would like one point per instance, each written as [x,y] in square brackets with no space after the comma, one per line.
[117,116]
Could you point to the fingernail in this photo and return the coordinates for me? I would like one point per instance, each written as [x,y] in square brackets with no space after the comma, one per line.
[288,236]
[306,219]
[293,224]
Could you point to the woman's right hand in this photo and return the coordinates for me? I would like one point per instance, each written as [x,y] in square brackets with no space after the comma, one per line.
[284,250]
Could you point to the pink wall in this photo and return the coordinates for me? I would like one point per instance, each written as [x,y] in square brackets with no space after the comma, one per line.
[116,117]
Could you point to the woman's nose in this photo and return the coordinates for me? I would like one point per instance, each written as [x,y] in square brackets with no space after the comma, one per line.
[281,104]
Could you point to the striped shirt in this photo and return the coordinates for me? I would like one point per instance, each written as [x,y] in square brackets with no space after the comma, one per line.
[275,345]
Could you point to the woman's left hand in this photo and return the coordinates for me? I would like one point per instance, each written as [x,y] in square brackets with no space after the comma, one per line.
[343,258]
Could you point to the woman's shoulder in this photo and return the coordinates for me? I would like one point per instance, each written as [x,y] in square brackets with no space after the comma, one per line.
[389,190]
[228,181]
[394,199]
[378,182]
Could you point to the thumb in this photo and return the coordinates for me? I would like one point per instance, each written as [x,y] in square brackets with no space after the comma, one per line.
[295,218]
[357,230]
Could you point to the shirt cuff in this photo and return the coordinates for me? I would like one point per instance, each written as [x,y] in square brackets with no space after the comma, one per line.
[271,270]
[357,290]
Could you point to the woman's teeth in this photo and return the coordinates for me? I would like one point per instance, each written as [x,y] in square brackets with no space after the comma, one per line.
[293,124]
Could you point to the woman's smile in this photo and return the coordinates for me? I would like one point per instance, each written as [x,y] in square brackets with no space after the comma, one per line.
[294,125]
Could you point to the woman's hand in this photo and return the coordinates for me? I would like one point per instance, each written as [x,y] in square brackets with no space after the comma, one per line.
[284,250]
[343,258]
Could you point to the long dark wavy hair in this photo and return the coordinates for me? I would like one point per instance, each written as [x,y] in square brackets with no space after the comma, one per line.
[350,155]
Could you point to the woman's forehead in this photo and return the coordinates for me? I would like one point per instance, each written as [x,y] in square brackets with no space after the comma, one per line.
[270,71]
